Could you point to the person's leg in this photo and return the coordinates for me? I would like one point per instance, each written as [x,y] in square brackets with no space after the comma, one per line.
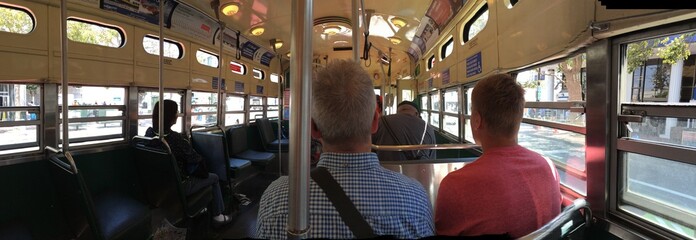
[196,184]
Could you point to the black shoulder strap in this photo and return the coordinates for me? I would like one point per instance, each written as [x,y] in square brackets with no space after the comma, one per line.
[349,214]
[407,154]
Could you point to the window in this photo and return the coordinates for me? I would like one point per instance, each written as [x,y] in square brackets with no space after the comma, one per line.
[435,109]
[207,58]
[431,62]
[259,74]
[16,19]
[447,48]
[658,82]
[476,24]
[275,78]
[172,49]
[406,95]
[238,68]
[86,31]
[510,3]
[424,107]
[20,117]
[468,136]
[204,108]
[552,124]
[272,107]
[451,113]
[146,104]
[234,110]
[256,108]
[95,113]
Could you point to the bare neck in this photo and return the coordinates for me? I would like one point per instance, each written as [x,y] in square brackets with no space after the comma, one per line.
[490,142]
[360,147]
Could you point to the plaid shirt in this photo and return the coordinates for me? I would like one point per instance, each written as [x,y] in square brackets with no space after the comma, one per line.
[391,203]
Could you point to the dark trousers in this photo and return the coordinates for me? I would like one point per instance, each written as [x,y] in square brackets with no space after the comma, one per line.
[195,184]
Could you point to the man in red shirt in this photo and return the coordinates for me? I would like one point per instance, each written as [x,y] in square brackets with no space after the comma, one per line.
[509,189]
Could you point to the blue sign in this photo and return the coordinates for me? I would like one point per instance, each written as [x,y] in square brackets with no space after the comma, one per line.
[430,83]
[474,65]
[266,58]
[249,49]
[238,86]
[445,77]
[259,89]
[215,83]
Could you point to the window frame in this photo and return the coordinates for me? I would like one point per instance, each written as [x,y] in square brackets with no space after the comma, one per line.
[457,136]
[268,107]
[431,62]
[217,57]
[178,45]
[21,9]
[260,72]
[215,105]
[243,111]
[84,141]
[467,26]
[262,104]
[621,144]
[443,49]
[18,148]
[118,29]
[574,106]
[180,114]
[242,68]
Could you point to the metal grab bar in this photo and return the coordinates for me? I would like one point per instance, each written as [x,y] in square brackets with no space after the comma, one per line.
[561,220]
[400,148]
[67,155]
[155,138]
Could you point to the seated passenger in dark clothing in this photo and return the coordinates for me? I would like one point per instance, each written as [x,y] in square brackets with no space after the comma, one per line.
[404,128]
[194,172]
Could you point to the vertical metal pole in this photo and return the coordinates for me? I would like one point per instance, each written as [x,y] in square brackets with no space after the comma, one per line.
[280,108]
[300,117]
[160,130]
[221,110]
[356,29]
[64,70]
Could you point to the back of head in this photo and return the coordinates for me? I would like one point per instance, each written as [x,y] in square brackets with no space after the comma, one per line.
[499,99]
[343,103]
[408,108]
[170,111]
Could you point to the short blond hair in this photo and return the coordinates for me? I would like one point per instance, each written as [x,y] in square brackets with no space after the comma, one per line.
[499,99]
[343,102]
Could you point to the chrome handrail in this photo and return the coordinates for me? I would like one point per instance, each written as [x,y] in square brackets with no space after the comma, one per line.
[400,148]
[561,219]
[67,155]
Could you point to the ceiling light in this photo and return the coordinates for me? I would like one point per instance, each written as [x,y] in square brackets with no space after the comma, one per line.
[257,31]
[395,40]
[398,22]
[278,44]
[340,42]
[332,30]
[287,54]
[230,9]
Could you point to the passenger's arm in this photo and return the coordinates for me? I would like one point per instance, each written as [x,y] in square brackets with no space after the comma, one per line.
[182,148]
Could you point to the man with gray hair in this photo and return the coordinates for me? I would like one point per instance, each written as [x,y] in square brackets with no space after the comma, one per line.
[344,116]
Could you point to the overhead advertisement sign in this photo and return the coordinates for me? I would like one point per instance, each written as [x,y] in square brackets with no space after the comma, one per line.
[191,22]
[182,18]
[146,10]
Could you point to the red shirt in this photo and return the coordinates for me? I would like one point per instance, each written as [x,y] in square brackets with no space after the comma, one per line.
[507,190]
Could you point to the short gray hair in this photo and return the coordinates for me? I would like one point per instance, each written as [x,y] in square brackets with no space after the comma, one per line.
[343,103]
